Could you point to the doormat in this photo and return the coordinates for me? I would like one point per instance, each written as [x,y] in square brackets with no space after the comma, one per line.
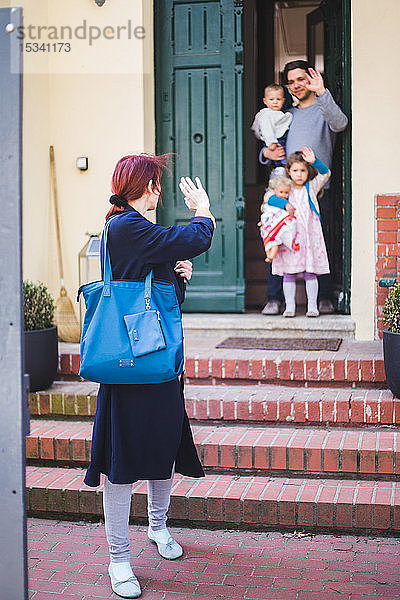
[254,343]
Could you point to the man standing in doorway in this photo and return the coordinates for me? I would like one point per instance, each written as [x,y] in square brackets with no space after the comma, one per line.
[316,120]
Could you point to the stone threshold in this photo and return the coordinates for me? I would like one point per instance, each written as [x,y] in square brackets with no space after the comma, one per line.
[258,325]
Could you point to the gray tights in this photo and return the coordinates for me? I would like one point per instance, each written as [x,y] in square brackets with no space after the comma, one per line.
[117,505]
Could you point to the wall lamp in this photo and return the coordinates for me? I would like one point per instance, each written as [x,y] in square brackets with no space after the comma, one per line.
[82,163]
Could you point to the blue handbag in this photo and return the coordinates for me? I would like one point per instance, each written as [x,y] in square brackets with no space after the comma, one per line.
[132,331]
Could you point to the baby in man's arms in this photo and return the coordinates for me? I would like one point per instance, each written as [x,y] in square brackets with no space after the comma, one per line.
[271,124]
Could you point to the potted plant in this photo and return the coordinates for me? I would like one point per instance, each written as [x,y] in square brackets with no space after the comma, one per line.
[41,343]
[391,340]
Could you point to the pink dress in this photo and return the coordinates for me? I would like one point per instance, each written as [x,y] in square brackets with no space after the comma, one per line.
[311,255]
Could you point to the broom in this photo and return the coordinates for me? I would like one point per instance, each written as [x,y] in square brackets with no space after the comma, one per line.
[64,314]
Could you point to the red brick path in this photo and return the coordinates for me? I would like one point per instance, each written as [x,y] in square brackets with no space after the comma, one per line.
[69,561]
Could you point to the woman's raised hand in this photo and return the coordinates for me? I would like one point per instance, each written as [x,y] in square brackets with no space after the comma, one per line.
[195,195]
[308,154]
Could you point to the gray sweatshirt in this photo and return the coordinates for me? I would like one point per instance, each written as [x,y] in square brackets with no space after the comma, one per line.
[315,126]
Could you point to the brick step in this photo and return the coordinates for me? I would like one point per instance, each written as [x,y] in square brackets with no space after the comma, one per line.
[242,448]
[287,369]
[224,500]
[281,404]
[65,399]
[246,403]
[356,364]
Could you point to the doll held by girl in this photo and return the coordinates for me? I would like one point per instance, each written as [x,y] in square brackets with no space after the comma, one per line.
[278,223]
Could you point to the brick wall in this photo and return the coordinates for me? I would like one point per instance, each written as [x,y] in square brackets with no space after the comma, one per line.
[387,212]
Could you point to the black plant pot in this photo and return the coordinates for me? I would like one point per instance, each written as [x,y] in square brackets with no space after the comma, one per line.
[391,357]
[41,357]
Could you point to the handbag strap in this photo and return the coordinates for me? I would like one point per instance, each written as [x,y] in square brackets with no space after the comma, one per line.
[107,273]
[147,290]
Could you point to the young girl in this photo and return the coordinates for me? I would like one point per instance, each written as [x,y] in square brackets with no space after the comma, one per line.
[278,223]
[308,175]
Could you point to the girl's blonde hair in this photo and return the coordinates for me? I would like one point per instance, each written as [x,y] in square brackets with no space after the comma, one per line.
[298,157]
[279,180]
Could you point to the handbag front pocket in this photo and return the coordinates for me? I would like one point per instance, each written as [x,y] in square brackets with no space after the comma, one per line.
[145,333]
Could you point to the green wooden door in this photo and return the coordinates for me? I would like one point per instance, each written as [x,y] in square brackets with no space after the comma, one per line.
[329,28]
[199,68]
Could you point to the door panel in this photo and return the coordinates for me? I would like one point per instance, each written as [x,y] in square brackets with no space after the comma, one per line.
[194,27]
[328,30]
[199,118]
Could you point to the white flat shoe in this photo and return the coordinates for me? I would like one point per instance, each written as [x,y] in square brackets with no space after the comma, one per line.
[124,583]
[170,549]
[289,313]
[312,313]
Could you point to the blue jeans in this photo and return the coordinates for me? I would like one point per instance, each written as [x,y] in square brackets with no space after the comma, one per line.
[274,291]
[325,281]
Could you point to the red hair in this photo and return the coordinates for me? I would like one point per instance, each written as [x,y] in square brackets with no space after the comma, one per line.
[132,174]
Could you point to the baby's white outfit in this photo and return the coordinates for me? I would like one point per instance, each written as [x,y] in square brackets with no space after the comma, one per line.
[270,125]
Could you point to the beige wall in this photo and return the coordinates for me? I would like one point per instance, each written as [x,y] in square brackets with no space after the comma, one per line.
[99,104]
[376,135]
[103,107]
[291,35]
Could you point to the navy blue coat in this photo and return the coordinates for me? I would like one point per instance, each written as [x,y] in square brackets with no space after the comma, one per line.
[139,431]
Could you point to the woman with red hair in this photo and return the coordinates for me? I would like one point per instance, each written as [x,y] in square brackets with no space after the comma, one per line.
[142,431]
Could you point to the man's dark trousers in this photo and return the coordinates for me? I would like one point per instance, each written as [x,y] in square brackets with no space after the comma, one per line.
[325,281]
[274,291]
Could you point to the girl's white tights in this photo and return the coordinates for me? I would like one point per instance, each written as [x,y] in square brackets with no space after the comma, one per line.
[289,291]
[117,505]
[312,291]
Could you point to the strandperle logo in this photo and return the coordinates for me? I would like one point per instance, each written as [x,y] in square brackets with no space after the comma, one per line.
[84,31]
